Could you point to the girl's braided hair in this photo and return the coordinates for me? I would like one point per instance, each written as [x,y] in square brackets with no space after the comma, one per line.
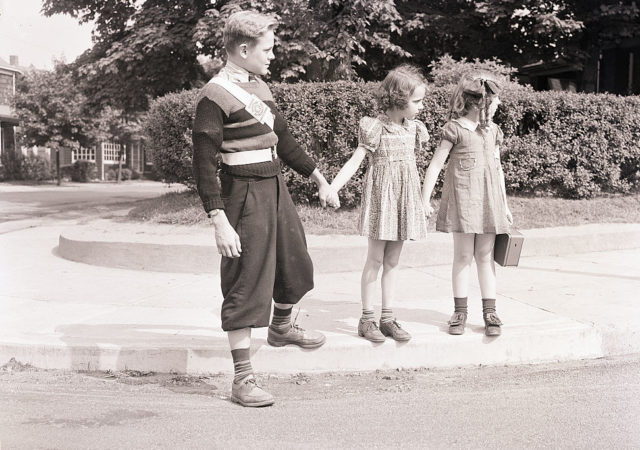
[474,89]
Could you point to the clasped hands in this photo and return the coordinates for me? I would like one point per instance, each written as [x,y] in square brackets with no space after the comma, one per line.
[329,196]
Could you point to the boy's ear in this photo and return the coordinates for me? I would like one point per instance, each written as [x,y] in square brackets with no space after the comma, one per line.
[243,49]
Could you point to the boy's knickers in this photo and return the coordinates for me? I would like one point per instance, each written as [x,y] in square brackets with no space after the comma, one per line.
[274,262]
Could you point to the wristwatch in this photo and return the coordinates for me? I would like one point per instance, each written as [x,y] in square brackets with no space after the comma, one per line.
[211,214]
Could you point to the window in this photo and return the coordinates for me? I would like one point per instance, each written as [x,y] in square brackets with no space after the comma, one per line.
[110,152]
[84,153]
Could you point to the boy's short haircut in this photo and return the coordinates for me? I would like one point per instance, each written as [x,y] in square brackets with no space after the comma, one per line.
[398,86]
[246,27]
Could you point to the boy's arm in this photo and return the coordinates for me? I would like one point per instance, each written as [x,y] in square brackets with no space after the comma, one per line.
[288,148]
[293,156]
[207,140]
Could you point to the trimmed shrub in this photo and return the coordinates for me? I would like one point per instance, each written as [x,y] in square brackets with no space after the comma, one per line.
[83,171]
[556,143]
[168,126]
[36,168]
[16,166]
[11,165]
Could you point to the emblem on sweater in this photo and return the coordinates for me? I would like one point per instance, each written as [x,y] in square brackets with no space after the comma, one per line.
[257,108]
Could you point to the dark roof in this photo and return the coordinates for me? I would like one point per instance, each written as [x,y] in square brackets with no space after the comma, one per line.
[550,68]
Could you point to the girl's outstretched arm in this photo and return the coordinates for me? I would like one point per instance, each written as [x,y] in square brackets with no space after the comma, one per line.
[431,176]
[349,168]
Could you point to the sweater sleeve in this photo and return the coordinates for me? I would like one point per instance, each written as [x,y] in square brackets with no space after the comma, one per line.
[288,149]
[207,140]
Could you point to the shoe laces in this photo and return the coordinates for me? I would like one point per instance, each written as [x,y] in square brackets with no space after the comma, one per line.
[492,319]
[295,327]
[393,324]
[458,318]
[370,324]
[251,380]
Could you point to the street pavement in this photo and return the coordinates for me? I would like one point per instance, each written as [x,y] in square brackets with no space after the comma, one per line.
[67,302]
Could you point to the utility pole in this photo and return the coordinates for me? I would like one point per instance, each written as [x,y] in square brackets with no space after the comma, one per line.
[59,175]
[120,154]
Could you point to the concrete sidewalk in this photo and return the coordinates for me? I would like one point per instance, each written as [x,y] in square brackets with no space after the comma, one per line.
[565,301]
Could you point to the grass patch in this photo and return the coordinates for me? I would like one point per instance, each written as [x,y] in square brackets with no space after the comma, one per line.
[185,208]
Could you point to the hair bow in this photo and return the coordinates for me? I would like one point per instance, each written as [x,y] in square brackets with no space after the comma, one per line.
[479,86]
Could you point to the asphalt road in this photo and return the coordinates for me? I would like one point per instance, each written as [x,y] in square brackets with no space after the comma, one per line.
[75,200]
[584,404]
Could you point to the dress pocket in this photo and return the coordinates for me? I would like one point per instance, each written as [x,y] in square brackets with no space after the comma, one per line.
[467,163]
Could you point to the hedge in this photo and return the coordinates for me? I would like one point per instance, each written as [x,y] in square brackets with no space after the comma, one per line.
[556,143]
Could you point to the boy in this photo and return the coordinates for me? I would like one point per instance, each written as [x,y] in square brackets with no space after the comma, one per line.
[257,228]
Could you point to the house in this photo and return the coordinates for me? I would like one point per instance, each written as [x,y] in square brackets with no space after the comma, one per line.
[614,69]
[105,154]
[8,120]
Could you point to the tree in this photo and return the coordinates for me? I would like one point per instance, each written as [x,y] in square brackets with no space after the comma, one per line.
[53,112]
[140,51]
[146,49]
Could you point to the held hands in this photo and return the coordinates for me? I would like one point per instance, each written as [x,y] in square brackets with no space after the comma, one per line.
[428,209]
[332,199]
[328,196]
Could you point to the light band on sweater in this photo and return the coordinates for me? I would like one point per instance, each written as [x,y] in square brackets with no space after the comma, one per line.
[249,156]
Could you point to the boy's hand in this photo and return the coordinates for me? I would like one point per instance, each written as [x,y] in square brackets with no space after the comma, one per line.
[509,217]
[227,240]
[324,191]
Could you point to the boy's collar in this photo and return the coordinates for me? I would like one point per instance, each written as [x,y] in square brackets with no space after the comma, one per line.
[467,123]
[234,72]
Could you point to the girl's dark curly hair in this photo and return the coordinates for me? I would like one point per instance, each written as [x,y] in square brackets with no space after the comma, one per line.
[398,86]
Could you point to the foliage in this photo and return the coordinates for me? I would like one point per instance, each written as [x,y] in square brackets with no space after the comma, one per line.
[50,108]
[446,70]
[83,171]
[145,49]
[54,112]
[168,127]
[16,166]
[141,49]
[325,40]
[562,144]
[11,165]
[36,168]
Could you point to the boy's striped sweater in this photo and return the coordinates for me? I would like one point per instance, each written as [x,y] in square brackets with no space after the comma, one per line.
[222,124]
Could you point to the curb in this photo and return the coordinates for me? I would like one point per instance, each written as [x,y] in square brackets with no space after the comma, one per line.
[192,250]
[568,341]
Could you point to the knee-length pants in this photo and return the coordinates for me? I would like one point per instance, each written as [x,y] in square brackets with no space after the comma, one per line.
[274,262]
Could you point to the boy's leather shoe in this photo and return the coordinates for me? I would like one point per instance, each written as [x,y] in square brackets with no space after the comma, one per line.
[246,392]
[369,330]
[296,336]
[491,324]
[457,323]
[392,329]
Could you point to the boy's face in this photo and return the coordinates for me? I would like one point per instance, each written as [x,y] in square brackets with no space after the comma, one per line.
[257,57]
[414,104]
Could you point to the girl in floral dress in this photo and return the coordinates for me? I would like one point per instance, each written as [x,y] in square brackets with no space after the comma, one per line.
[392,210]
